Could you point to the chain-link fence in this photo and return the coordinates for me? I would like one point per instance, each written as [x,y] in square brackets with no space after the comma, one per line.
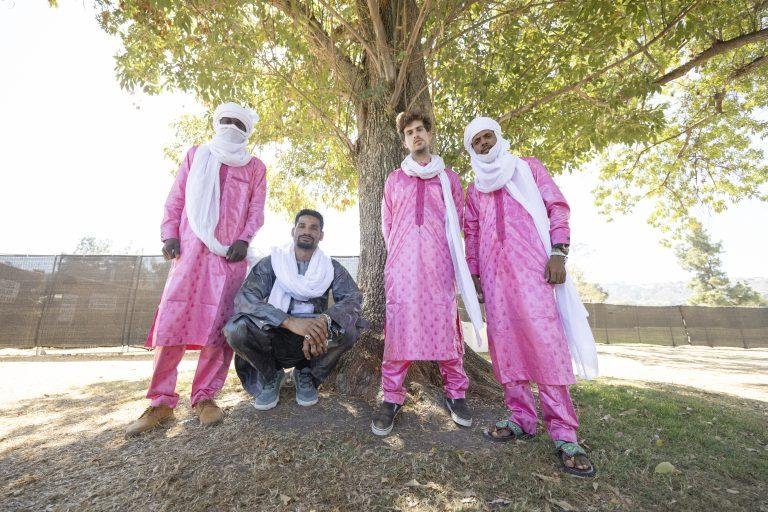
[70,301]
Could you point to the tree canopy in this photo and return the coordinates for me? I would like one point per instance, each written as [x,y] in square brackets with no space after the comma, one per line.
[666,92]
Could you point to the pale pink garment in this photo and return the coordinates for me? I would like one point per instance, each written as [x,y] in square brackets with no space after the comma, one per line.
[556,409]
[198,298]
[525,335]
[393,373]
[210,375]
[422,321]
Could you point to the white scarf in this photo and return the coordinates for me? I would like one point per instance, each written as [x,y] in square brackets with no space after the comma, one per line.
[499,168]
[436,167]
[202,194]
[289,283]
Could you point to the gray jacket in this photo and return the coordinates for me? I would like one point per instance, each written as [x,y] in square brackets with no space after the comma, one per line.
[343,301]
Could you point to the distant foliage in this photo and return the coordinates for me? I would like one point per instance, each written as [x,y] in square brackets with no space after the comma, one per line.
[710,285]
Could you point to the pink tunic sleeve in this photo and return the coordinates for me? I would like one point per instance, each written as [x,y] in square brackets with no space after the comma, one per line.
[557,207]
[174,204]
[472,231]
[255,218]
[386,212]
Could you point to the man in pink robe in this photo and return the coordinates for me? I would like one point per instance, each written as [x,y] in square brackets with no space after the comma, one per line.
[515,276]
[199,294]
[422,322]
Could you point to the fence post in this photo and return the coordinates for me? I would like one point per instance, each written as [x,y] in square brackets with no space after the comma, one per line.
[48,298]
[741,329]
[671,334]
[685,325]
[128,319]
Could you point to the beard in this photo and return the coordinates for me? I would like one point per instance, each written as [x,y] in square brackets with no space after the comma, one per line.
[305,244]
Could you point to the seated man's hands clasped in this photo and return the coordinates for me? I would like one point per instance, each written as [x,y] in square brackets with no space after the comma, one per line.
[313,330]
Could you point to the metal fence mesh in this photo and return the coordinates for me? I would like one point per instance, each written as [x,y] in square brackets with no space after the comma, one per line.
[70,301]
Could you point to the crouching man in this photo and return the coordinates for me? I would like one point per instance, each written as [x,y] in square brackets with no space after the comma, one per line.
[283,318]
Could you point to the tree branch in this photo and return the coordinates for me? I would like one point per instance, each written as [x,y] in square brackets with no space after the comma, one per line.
[650,57]
[597,101]
[320,41]
[750,67]
[516,11]
[326,118]
[570,87]
[351,30]
[381,41]
[446,21]
[405,64]
[717,48]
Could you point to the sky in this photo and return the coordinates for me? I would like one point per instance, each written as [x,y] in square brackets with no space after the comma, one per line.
[82,157]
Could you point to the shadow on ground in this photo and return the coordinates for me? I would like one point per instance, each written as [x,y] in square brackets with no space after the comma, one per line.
[67,452]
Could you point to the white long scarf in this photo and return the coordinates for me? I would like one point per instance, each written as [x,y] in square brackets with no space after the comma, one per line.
[436,167]
[202,194]
[499,168]
[289,283]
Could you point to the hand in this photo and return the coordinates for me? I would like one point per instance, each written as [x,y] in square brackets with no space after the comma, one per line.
[478,289]
[313,330]
[237,251]
[555,271]
[171,248]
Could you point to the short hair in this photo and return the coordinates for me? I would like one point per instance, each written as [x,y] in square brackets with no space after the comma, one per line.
[311,213]
[405,118]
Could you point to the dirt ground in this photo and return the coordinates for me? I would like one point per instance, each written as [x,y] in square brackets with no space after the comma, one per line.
[62,419]
[734,371]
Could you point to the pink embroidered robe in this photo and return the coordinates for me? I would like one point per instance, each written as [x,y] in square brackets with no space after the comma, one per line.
[422,321]
[525,335]
[198,298]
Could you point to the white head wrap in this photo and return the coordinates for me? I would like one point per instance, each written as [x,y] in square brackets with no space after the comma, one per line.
[202,195]
[501,169]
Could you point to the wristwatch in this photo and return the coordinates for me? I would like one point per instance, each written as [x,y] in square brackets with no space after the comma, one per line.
[559,250]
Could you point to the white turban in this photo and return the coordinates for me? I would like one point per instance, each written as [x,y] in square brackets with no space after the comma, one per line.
[230,109]
[494,170]
[202,194]
[477,125]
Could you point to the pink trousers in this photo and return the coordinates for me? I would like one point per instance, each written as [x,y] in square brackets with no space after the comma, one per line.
[393,373]
[210,375]
[556,408]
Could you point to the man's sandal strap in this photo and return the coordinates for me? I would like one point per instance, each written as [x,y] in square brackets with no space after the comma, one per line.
[516,429]
[569,448]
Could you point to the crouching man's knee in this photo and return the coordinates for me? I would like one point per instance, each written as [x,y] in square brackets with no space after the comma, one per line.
[237,333]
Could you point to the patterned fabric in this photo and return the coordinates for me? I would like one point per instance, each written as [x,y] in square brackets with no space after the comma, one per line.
[516,429]
[422,321]
[210,375]
[570,449]
[198,298]
[525,335]
[393,373]
[556,408]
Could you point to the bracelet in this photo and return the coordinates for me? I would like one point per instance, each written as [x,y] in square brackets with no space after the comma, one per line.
[328,320]
[559,253]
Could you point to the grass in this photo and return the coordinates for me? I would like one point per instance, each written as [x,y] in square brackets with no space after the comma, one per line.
[66,452]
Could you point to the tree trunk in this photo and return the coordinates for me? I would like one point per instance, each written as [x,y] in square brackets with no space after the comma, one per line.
[379,152]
